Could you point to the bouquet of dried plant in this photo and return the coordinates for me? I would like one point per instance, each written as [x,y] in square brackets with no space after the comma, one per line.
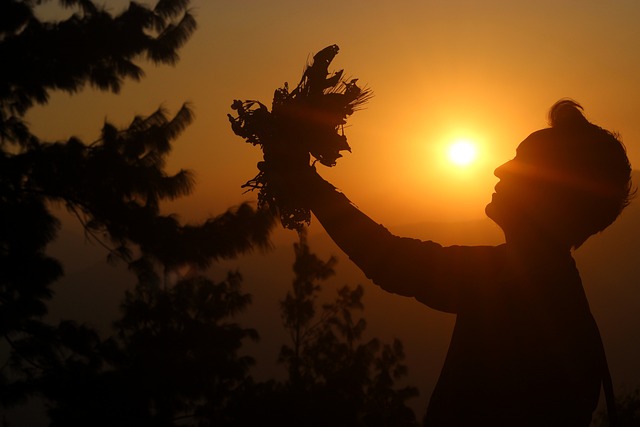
[304,125]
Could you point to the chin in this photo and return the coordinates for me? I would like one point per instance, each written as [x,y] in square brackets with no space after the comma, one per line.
[490,210]
[494,213]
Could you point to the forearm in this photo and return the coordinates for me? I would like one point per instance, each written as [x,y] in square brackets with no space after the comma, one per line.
[361,238]
[421,269]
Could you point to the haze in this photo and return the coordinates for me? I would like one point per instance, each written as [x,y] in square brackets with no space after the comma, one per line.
[488,70]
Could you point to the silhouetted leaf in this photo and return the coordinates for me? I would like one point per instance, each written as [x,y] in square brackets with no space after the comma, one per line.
[306,122]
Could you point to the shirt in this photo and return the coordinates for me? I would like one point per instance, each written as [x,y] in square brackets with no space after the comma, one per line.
[525,349]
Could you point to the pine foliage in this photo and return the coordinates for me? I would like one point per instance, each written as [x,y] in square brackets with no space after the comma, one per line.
[116,186]
[336,377]
[91,47]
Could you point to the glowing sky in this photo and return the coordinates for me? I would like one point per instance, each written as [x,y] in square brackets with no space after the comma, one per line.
[440,70]
[486,70]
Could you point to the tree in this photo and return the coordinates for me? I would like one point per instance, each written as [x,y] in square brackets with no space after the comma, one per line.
[175,360]
[336,378]
[181,347]
[298,310]
[627,411]
[115,185]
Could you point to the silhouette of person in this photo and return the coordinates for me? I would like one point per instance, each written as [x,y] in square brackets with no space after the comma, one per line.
[525,349]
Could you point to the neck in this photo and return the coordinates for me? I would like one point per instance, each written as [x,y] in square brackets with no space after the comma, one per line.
[534,251]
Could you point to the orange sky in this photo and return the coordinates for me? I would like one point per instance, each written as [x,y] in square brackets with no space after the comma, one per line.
[439,69]
[488,70]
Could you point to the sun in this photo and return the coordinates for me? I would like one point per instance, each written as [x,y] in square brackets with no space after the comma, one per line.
[462,152]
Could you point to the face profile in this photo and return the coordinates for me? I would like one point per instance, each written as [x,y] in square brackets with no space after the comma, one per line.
[566,182]
[530,191]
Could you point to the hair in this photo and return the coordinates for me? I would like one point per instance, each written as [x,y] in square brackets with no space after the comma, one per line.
[596,158]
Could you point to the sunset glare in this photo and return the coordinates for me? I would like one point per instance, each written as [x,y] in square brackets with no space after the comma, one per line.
[456,86]
[462,152]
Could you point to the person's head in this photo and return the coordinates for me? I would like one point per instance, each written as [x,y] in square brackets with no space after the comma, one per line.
[566,182]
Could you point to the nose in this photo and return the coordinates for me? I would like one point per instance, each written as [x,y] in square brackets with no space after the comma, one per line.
[503,169]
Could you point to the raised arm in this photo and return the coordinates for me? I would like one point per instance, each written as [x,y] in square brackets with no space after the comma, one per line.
[437,276]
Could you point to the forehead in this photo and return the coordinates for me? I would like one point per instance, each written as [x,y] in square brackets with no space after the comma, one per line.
[544,147]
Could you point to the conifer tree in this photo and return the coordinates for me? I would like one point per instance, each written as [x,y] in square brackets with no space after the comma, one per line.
[176,359]
[115,185]
[336,377]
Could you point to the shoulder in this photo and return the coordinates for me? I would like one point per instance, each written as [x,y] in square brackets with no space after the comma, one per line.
[476,261]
